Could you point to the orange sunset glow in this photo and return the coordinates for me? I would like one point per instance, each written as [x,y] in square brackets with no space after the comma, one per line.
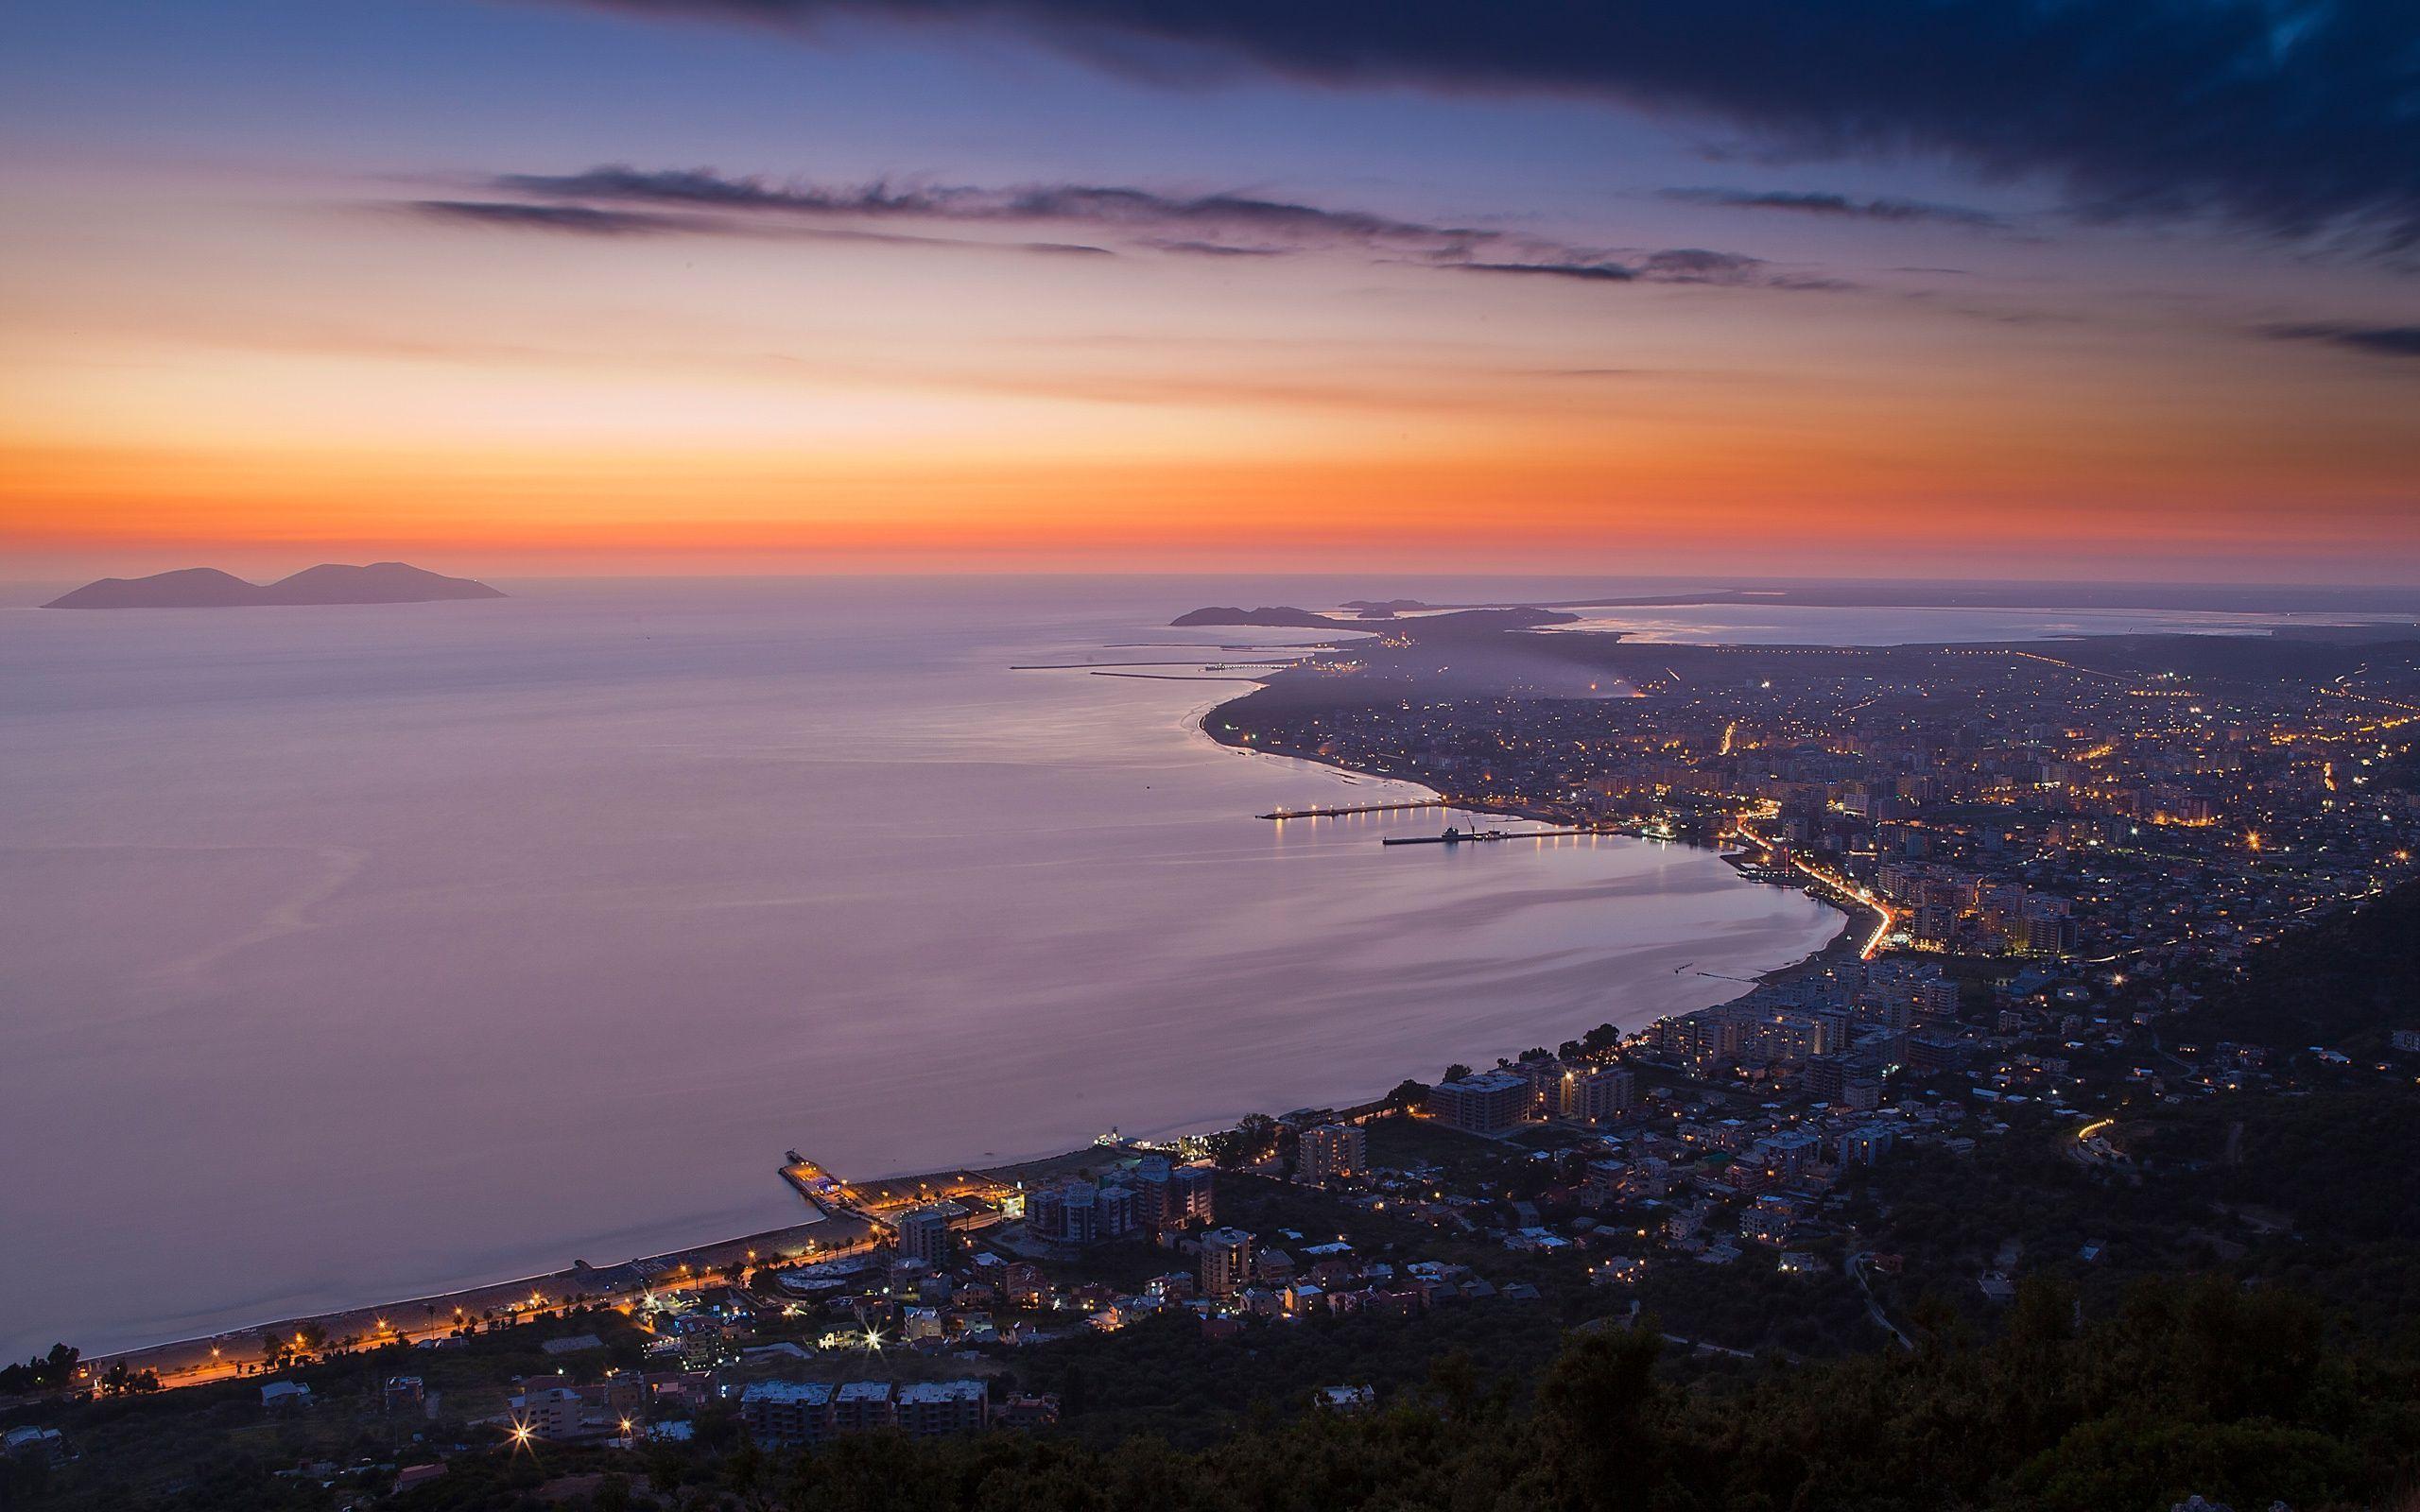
[262,357]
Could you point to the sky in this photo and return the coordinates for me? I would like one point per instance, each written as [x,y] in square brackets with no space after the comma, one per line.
[2006,288]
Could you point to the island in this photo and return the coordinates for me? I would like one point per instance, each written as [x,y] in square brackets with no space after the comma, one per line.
[1385,608]
[381,582]
[1264,618]
[1460,623]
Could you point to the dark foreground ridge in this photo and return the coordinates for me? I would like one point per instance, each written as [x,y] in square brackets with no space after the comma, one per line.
[381,582]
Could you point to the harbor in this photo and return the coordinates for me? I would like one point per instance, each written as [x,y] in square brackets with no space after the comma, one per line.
[1459,836]
[1345,811]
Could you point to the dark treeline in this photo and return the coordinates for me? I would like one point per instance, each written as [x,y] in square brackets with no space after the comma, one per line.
[43,1372]
[2192,1386]
[2346,983]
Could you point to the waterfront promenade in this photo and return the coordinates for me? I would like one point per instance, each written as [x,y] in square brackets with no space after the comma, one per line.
[852,1218]
[421,1319]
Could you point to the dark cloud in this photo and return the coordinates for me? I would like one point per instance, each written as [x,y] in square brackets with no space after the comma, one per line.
[620,198]
[579,219]
[589,220]
[2379,340]
[1678,265]
[2291,118]
[1211,225]
[1695,264]
[1593,272]
[1091,204]
[1839,206]
[1194,248]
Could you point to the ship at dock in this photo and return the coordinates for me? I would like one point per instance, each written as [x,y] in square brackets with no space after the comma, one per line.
[1453,836]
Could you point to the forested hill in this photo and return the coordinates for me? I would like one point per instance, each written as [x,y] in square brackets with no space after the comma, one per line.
[2346,984]
[2195,1388]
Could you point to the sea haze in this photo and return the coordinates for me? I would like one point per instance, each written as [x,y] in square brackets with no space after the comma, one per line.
[352,952]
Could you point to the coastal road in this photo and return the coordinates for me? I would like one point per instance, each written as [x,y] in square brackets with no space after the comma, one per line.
[1884,917]
[420,1319]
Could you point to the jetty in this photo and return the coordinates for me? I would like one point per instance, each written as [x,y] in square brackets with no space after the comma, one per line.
[1454,837]
[1342,811]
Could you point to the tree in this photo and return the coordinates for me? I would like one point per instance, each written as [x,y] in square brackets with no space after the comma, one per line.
[1408,1095]
[666,1469]
[1593,1406]
[1246,1143]
[1457,1072]
[1454,1377]
[43,1372]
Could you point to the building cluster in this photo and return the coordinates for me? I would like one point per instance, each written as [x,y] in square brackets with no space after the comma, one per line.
[1839,1030]
[567,1409]
[1155,1196]
[788,1414]
[1999,802]
[1535,1088]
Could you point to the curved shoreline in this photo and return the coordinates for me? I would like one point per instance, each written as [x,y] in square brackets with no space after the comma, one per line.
[1539,815]
[1197,721]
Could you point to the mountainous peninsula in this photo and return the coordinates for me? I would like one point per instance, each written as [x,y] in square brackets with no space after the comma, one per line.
[381,582]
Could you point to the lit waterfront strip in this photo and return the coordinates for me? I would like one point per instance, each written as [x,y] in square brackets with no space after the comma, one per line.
[1858,890]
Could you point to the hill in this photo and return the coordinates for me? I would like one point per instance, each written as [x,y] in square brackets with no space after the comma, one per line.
[381,582]
[1458,625]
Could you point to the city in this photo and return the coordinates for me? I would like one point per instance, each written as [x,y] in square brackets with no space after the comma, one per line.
[1104,756]
[2047,868]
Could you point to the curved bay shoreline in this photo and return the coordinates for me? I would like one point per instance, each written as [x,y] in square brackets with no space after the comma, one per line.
[1840,942]
[198,1359]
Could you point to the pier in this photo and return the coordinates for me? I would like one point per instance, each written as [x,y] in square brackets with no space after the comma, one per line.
[1483,836]
[1339,813]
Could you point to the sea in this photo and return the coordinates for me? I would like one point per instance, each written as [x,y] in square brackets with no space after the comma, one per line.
[352,953]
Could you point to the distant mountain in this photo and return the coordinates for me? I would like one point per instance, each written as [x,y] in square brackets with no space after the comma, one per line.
[1459,623]
[1291,619]
[1385,608]
[381,582]
[192,588]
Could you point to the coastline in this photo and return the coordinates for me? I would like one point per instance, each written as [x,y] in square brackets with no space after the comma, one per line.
[190,1360]
[1539,814]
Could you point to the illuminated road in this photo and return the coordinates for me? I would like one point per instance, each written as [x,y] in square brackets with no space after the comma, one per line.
[1885,917]
[416,1320]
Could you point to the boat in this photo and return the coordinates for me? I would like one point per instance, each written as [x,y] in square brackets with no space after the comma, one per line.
[1451,836]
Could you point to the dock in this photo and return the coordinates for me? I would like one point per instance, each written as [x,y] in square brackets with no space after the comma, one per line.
[881,1202]
[1341,812]
[1481,836]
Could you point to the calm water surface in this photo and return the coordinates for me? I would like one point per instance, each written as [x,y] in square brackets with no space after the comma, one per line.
[347,954]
